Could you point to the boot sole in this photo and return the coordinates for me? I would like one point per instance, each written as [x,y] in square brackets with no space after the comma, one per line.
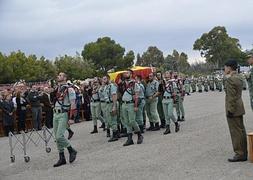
[60,164]
[73,159]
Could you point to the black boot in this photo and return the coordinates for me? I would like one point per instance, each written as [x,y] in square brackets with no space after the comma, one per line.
[151,127]
[167,131]
[157,127]
[108,133]
[72,154]
[140,138]
[141,128]
[71,133]
[162,123]
[102,126]
[123,133]
[129,140]
[178,118]
[182,119]
[177,126]
[95,130]
[61,160]
[114,137]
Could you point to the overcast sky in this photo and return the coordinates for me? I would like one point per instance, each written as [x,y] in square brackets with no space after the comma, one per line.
[58,27]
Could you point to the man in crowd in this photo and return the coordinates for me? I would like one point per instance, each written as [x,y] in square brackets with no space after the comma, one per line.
[160,98]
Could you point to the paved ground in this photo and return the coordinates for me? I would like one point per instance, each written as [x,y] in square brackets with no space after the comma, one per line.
[199,151]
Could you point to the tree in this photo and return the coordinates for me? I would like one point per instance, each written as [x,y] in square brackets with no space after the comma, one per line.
[126,62]
[139,60]
[152,57]
[106,54]
[217,47]
[76,67]
[176,62]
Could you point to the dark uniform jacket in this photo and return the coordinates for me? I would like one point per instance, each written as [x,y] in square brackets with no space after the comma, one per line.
[234,103]
[7,107]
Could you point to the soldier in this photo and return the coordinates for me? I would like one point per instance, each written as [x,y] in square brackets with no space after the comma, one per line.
[64,103]
[211,83]
[110,96]
[179,90]
[206,84]
[250,81]
[187,86]
[160,98]
[96,106]
[151,103]
[235,111]
[219,83]
[193,85]
[199,84]
[139,114]
[130,100]
[168,100]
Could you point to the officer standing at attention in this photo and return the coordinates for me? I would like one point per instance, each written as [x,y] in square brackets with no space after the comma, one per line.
[110,96]
[130,100]
[178,88]
[151,102]
[250,81]
[168,101]
[96,106]
[159,77]
[235,111]
[139,114]
[64,104]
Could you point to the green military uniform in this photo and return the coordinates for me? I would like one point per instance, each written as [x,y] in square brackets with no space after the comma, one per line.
[250,86]
[187,86]
[199,84]
[95,108]
[139,113]
[193,85]
[151,104]
[178,89]
[101,93]
[168,104]
[235,111]
[219,84]
[211,84]
[206,85]
[111,119]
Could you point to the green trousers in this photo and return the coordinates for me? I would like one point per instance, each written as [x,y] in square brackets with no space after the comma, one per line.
[128,117]
[60,125]
[103,107]
[111,120]
[187,88]
[96,112]
[160,108]
[238,135]
[151,109]
[139,113]
[168,106]
[179,105]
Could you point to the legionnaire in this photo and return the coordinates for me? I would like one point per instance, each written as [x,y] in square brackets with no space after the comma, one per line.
[193,85]
[101,93]
[64,104]
[219,84]
[110,96]
[178,88]
[130,101]
[187,86]
[168,100]
[141,104]
[250,81]
[96,106]
[199,84]
[151,103]
[235,111]
[211,83]
[160,98]
[206,85]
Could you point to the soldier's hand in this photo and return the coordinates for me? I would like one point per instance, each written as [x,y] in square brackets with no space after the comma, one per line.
[135,109]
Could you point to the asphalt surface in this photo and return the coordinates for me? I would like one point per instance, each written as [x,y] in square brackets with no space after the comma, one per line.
[198,152]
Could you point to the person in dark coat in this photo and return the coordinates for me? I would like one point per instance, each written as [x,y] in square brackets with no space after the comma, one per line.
[48,107]
[21,111]
[87,92]
[8,109]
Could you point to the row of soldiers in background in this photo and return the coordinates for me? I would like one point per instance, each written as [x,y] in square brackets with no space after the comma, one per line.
[205,84]
[123,107]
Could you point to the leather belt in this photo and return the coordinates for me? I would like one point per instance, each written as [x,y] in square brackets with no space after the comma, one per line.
[60,111]
[166,97]
[127,102]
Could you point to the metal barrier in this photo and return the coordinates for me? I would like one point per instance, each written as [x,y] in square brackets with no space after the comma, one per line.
[34,137]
